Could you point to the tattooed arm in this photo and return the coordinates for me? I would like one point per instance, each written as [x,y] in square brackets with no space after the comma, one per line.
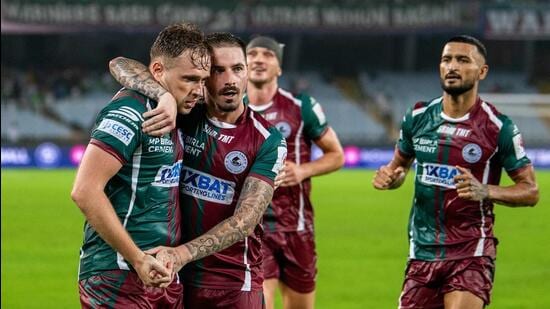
[134,75]
[255,197]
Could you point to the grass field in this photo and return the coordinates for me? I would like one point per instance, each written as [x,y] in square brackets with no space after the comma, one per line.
[361,236]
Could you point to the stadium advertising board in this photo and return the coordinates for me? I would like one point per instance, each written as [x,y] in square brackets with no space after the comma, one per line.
[517,22]
[49,155]
[233,15]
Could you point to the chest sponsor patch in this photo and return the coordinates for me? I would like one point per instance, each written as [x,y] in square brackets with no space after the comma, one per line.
[206,187]
[439,175]
[235,162]
[117,130]
[471,153]
[284,128]
[168,175]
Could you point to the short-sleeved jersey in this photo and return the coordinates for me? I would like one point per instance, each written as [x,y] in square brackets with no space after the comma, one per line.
[218,158]
[144,192]
[443,226]
[301,120]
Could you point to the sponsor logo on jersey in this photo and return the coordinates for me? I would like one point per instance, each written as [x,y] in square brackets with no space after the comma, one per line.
[160,144]
[439,175]
[421,144]
[270,116]
[281,157]
[451,130]
[318,111]
[471,153]
[168,175]
[235,162]
[117,130]
[518,146]
[207,187]
[217,135]
[284,128]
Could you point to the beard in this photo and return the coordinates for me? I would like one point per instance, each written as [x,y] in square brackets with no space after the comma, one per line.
[455,90]
[228,106]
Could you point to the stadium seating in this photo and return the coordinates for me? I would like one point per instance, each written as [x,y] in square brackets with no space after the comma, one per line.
[24,124]
[404,89]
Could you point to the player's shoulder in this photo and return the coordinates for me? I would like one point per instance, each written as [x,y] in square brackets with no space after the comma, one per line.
[130,103]
[492,110]
[289,97]
[262,126]
[496,117]
[421,107]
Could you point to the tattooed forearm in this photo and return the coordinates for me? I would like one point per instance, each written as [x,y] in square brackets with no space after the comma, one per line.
[255,197]
[134,75]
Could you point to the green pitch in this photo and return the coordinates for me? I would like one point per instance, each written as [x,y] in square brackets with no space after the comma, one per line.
[361,236]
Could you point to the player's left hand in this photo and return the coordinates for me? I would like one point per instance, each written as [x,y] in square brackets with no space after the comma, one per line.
[169,258]
[468,187]
[162,119]
[293,174]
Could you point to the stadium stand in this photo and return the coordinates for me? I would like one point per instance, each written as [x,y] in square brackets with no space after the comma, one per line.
[404,89]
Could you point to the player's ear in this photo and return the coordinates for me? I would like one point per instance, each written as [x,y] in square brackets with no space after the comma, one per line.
[483,71]
[157,68]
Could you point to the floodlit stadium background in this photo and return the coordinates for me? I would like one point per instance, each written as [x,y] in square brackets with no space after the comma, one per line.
[365,61]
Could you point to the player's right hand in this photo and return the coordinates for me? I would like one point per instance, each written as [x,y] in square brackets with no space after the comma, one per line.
[162,119]
[152,272]
[385,177]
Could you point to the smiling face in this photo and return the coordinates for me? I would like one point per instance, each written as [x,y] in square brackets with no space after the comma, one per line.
[263,65]
[461,68]
[226,85]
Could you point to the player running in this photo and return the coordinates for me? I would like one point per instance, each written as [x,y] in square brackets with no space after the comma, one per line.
[289,243]
[460,143]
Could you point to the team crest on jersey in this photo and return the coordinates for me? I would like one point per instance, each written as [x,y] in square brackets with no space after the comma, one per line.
[236,162]
[471,153]
[284,128]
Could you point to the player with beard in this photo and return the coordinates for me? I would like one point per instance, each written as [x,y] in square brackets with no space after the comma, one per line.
[461,144]
[289,244]
[232,156]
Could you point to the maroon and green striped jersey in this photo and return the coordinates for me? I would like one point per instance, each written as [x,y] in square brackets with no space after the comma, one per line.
[218,158]
[144,192]
[443,226]
[301,120]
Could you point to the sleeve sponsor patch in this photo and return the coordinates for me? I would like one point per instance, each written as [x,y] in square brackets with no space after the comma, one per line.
[518,146]
[318,110]
[281,156]
[117,130]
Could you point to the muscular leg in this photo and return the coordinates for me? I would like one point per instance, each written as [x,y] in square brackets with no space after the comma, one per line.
[462,300]
[270,286]
[295,300]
